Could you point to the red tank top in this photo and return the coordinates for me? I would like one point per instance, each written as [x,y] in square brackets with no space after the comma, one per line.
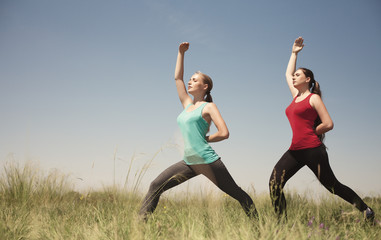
[302,117]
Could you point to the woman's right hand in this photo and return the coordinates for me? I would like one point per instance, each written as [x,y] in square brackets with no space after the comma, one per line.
[298,45]
[183,47]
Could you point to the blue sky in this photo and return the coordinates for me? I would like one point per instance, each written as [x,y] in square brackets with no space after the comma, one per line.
[81,80]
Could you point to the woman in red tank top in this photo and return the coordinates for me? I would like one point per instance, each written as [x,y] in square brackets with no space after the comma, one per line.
[309,120]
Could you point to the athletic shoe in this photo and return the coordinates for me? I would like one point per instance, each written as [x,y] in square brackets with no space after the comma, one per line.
[369,214]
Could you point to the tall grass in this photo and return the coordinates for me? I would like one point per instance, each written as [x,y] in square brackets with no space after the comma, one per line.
[35,205]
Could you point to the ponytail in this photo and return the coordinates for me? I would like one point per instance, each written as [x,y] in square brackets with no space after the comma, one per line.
[208,97]
[314,88]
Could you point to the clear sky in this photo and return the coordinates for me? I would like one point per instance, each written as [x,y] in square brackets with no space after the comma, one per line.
[84,81]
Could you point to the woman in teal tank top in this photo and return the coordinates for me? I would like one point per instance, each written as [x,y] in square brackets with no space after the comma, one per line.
[199,156]
[194,129]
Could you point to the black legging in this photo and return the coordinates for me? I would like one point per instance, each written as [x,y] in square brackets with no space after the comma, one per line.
[181,172]
[317,160]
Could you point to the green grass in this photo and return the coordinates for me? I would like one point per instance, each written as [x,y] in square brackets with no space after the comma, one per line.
[35,205]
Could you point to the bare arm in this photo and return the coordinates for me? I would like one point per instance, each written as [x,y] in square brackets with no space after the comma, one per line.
[326,121]
[291,67]
[179,75]
[213,114]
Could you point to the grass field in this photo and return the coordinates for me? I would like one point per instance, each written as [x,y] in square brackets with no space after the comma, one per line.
[36,205]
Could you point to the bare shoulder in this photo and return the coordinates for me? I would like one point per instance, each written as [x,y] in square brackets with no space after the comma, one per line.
[315,100]
[315,96]
[211,106]
[210,110]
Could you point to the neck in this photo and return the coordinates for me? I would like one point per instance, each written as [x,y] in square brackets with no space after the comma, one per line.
[303,91]
[198,98]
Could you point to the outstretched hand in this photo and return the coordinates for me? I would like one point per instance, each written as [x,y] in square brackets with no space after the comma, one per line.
[184,46]
[298,45]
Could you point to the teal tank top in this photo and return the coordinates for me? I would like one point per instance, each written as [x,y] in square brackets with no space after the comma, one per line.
[194,129]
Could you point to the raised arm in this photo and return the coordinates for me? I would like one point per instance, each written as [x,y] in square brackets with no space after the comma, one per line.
[291,67]
[179,75]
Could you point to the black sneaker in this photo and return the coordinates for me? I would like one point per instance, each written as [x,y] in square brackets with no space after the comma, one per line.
[369,214]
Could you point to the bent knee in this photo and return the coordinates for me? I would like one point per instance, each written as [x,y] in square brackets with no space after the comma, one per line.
[157,184]
[154,186]
[275,181]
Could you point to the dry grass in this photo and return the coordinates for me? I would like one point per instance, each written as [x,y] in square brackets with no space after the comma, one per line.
[43,206]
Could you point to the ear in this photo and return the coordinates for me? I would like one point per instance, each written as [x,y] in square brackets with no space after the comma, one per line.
[308,79]
[205,86]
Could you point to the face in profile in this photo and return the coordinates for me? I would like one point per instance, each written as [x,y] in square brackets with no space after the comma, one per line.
[196,84]
[299,78]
